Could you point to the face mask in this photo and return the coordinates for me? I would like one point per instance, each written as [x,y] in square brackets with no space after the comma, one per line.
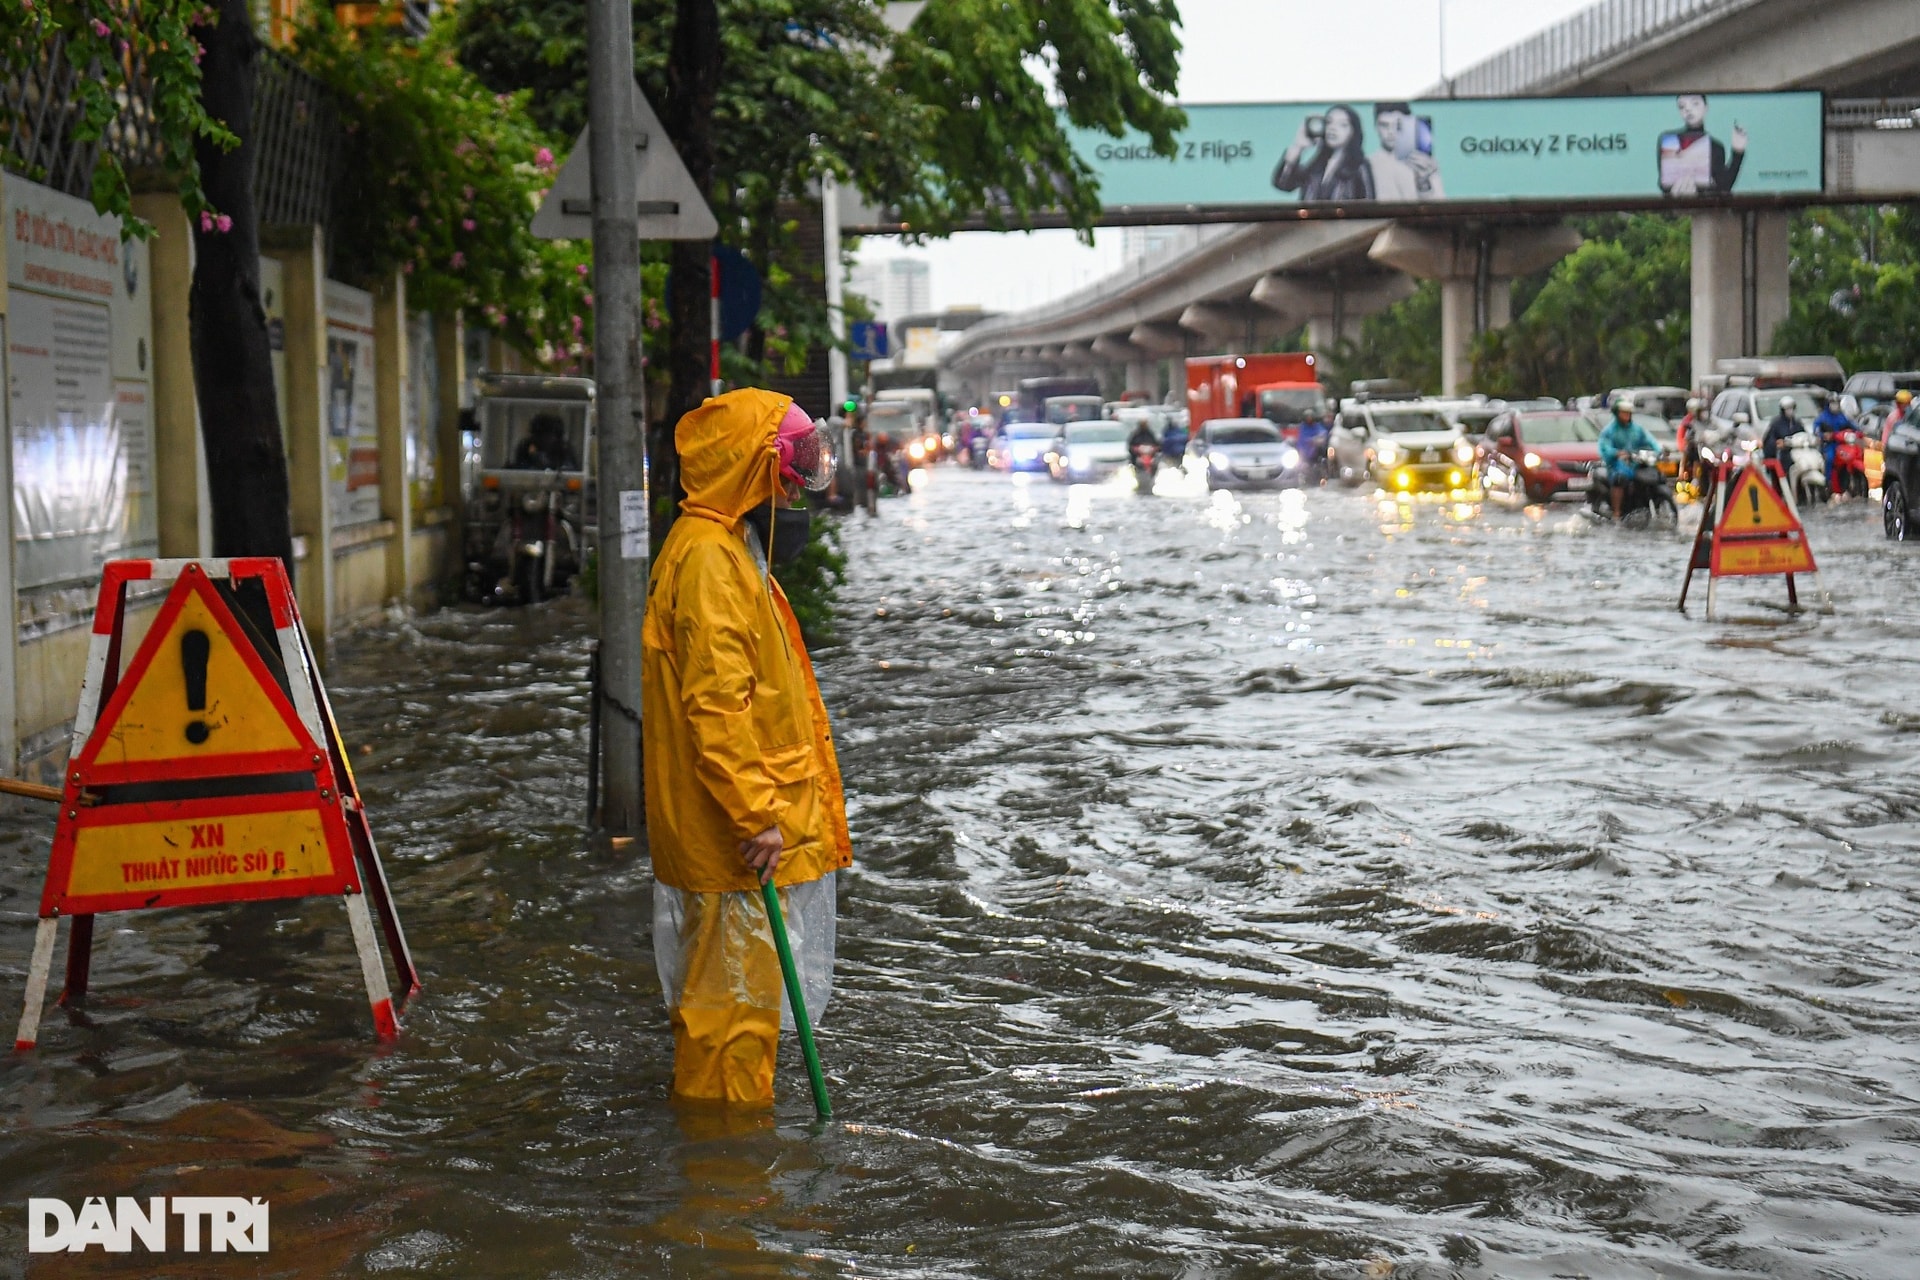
[791,526]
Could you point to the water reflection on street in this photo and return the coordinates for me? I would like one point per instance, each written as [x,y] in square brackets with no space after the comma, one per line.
[1247,884]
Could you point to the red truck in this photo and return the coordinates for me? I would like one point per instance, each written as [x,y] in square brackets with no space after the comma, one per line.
[1283,388]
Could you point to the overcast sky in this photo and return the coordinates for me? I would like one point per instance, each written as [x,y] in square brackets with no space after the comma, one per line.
[1245,51]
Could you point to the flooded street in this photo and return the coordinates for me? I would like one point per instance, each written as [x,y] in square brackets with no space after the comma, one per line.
[1265,885]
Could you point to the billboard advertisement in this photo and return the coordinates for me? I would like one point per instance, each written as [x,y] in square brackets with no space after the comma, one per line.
[1689,146]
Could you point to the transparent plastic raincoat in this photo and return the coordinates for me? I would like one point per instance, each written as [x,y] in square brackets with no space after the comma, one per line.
[736,741]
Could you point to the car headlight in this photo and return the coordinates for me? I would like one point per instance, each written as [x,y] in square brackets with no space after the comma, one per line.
[1462,452]
[1388,454]
[1531,460]
[916,451]
[1220,462]
[1289,458]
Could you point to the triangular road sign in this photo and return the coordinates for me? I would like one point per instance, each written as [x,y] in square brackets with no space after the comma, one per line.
[197,701]
[670,206]
[1754,508]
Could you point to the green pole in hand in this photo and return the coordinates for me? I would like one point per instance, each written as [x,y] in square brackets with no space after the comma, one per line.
[796,1000]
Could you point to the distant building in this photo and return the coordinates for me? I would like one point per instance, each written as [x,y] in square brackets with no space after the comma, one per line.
[895,287]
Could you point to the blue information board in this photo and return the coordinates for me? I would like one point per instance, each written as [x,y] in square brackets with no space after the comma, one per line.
[868,338]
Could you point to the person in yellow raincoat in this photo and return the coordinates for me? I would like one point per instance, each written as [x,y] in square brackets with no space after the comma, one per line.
[741,778]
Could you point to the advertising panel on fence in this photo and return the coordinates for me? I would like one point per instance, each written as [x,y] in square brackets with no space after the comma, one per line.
[1495,151]
[79,336]
[353,430]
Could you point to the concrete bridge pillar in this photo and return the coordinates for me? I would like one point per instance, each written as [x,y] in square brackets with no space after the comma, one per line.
[1476,267]
[1739,284]
[1143,375]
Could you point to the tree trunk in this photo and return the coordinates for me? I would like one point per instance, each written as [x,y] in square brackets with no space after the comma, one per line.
[232,361]
[693,81]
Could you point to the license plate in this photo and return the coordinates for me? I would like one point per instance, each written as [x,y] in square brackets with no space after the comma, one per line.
[1254,473]
[1579,484]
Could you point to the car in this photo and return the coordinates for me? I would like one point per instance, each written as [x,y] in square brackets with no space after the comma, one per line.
[1243,453]
[1540,454]
[1021,446]
[1900,480]
[1087,451]
[1400,445]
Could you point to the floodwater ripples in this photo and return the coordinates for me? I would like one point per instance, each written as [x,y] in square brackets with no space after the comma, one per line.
[1273,884]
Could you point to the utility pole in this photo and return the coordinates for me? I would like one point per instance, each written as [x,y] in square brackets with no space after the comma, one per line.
[620,392]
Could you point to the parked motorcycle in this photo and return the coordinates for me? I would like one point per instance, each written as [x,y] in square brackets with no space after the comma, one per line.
[1648,501]
[1849,464]
[1806,467]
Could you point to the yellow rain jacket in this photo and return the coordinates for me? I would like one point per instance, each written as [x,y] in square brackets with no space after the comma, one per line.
[737,741]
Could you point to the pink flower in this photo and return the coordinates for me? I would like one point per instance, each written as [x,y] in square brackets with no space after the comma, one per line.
[100,28]
[223,224]
[466,193]
[579,326]
[206,220]
[544,158]
[406,268]
[580,269]
[466,224]
[588,300]
[458,260]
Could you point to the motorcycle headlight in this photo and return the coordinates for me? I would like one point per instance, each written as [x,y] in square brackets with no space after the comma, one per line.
[532,503]
[1388,453]
[1289,457]
[1462,452]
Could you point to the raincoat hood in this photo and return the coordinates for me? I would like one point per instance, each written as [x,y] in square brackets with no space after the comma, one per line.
[729,462]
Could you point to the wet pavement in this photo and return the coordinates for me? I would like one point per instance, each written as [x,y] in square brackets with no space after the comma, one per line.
[1265,885]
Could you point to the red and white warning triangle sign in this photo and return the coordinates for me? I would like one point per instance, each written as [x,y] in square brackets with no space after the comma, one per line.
[197,701]
[1754,508]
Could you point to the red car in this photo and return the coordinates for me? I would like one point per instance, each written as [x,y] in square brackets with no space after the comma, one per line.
[1540,455]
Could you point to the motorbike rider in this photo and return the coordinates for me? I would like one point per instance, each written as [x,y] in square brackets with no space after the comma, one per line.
[1142,445]
[1314,432]
[1622,438]
[1902,406]
[1685,438]
[1783,427]
[1173,442]
[1829,422]
[546,447]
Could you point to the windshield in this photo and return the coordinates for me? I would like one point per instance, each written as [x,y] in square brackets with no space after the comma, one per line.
[1558,428]
[1404,421]
[891,416]
[1289,407]
[1029,431]
[1064,409]
[1249,434]
[1659,428]
[1097,433]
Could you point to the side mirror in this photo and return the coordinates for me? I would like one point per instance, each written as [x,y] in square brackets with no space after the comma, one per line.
[1741,419]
